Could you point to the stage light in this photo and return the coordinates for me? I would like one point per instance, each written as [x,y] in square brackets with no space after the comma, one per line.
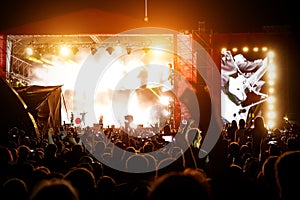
[271,99]
[271,54]
[29,51]
[223,49]
[110,50]
[271,124]
[164,100]
[64,51]
[146,19]
[245,49]
[93,50]
[255,49]
[75,50]
[271,115]
[271,66]
[234,49]
[166,113]
[272,75]
[129,50]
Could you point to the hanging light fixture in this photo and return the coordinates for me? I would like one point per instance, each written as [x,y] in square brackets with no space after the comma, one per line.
[110,50]
[128,50]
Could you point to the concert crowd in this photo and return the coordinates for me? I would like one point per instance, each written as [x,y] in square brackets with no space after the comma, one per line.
[78,163]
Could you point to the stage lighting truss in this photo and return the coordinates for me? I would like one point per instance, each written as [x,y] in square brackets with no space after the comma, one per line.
[47,44]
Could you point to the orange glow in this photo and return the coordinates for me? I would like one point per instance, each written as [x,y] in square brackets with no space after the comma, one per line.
[146,19]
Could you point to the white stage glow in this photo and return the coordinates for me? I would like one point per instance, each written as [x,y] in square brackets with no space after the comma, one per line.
[64,71]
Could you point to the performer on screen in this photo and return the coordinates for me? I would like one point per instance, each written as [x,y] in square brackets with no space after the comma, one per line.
[237,75]
[241,85]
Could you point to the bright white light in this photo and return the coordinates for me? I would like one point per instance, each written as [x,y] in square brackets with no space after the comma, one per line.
[271,99]
[164,100]
[271,106]
[29,51]
[158,52]
[271,115]
[166,113]
[272,75]
[245,49]
[64,51]
[271,124]
[141,114]
[60,70]
[271,54]
[271,67]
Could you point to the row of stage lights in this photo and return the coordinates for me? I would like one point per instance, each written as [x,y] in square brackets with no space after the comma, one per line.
[65,50]
[271,114]
[247,49]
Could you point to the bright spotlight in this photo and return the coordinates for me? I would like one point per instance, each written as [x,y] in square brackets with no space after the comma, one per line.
[64,51]
[271,67]
[271,54]
[271,124]
[165,113]
[272,75]
[234,49]
[164,100]
[271,99]
[245,49]
[223,49]
[271,115]
[29,51]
